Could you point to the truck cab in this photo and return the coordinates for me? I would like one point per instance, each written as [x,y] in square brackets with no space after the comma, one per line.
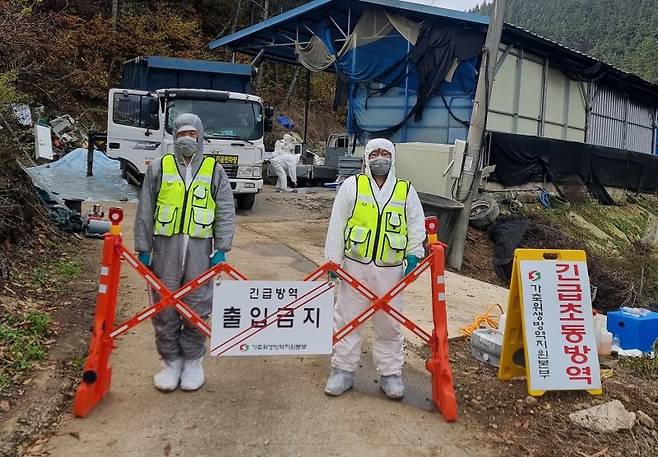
[139,125]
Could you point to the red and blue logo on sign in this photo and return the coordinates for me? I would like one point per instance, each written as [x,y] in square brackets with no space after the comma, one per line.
[534,276]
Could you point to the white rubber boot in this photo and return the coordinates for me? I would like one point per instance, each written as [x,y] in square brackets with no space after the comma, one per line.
[192,377]
[168,378]
[339,382]
[392,386]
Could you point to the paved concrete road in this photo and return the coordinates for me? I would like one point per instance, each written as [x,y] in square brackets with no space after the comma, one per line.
[258,406]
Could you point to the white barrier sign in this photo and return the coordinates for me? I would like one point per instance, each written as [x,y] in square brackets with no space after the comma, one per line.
[559,327]
[272,318]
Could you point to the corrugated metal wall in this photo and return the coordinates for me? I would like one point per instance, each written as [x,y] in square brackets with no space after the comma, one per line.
[619,122]
[529,97]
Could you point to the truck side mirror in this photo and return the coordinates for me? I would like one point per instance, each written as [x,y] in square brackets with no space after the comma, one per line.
[269,115]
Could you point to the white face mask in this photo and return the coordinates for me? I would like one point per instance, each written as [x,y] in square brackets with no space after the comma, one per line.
[380,166]
[185,146]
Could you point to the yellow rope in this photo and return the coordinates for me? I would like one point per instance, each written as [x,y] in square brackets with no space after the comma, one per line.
[483,320]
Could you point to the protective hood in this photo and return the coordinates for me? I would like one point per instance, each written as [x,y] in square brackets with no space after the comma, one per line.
[185,122]
[373,145]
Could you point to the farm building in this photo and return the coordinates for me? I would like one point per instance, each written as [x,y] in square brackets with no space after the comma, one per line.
[409,71]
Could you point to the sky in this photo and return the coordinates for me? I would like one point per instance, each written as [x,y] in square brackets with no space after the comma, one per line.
[462,5]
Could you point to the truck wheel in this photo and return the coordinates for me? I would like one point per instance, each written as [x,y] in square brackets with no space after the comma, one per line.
[132,174]
[246,201]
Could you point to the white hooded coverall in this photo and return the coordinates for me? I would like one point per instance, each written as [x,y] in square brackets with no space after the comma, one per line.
[388,349]
[285,161]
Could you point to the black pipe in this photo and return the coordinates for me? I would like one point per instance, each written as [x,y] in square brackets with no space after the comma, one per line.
[91,140]
[308,96]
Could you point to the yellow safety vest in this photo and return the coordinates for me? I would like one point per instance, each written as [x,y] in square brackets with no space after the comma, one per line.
[180,210]
[377,236]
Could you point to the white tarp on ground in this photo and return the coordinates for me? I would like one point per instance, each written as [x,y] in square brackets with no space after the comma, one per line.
[67,178]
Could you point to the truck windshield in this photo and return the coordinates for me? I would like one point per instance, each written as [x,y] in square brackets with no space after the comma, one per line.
[237,119]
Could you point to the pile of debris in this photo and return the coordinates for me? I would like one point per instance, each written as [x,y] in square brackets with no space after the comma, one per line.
[55,157]
[53,138]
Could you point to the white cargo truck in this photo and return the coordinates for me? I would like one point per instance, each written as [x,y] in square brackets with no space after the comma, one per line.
[156,89]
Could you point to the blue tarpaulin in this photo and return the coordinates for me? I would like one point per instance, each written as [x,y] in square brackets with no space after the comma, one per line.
[285,122]
[67,178]
[391,79]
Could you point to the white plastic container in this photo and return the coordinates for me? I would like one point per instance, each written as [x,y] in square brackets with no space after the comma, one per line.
[604,339]
[487,345]
[604,342]
[501,323]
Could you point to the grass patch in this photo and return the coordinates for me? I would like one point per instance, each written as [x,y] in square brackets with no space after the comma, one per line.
[648,203]
[62,271]
[643,367]
[67,270]
[40,276]
[79,362]
[21,344]
[623,268]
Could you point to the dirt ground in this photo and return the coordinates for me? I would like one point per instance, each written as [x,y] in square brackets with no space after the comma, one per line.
[36,402]
[259,406]
[541,427]
[620,242]
[275,406]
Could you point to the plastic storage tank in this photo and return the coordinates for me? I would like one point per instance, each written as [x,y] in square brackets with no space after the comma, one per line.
[429,167]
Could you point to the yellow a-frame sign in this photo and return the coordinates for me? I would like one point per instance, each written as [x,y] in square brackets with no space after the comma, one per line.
[549,331]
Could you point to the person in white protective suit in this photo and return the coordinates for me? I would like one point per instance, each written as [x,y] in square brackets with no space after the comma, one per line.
[376,233]
[284,162]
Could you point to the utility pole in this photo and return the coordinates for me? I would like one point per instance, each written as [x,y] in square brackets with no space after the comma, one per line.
[470,179]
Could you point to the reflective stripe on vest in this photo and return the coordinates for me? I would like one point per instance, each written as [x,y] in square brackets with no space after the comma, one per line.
[373,236]
[180,210]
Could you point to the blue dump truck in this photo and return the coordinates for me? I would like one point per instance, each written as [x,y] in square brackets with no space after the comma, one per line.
[154,90]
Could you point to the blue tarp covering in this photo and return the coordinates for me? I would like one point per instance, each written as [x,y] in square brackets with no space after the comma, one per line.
[374,113]
[285,122]
[386,63]
[67,178]
[381,60]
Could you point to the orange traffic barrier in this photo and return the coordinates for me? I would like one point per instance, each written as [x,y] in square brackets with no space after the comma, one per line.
[96,377]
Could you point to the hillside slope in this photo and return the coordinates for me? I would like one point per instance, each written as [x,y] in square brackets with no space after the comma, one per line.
[66,54]
[621,32]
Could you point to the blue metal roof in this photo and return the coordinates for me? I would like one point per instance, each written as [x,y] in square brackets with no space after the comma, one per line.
[208,66]
[271,22]
[275,35]
[431,10]
[263,36]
